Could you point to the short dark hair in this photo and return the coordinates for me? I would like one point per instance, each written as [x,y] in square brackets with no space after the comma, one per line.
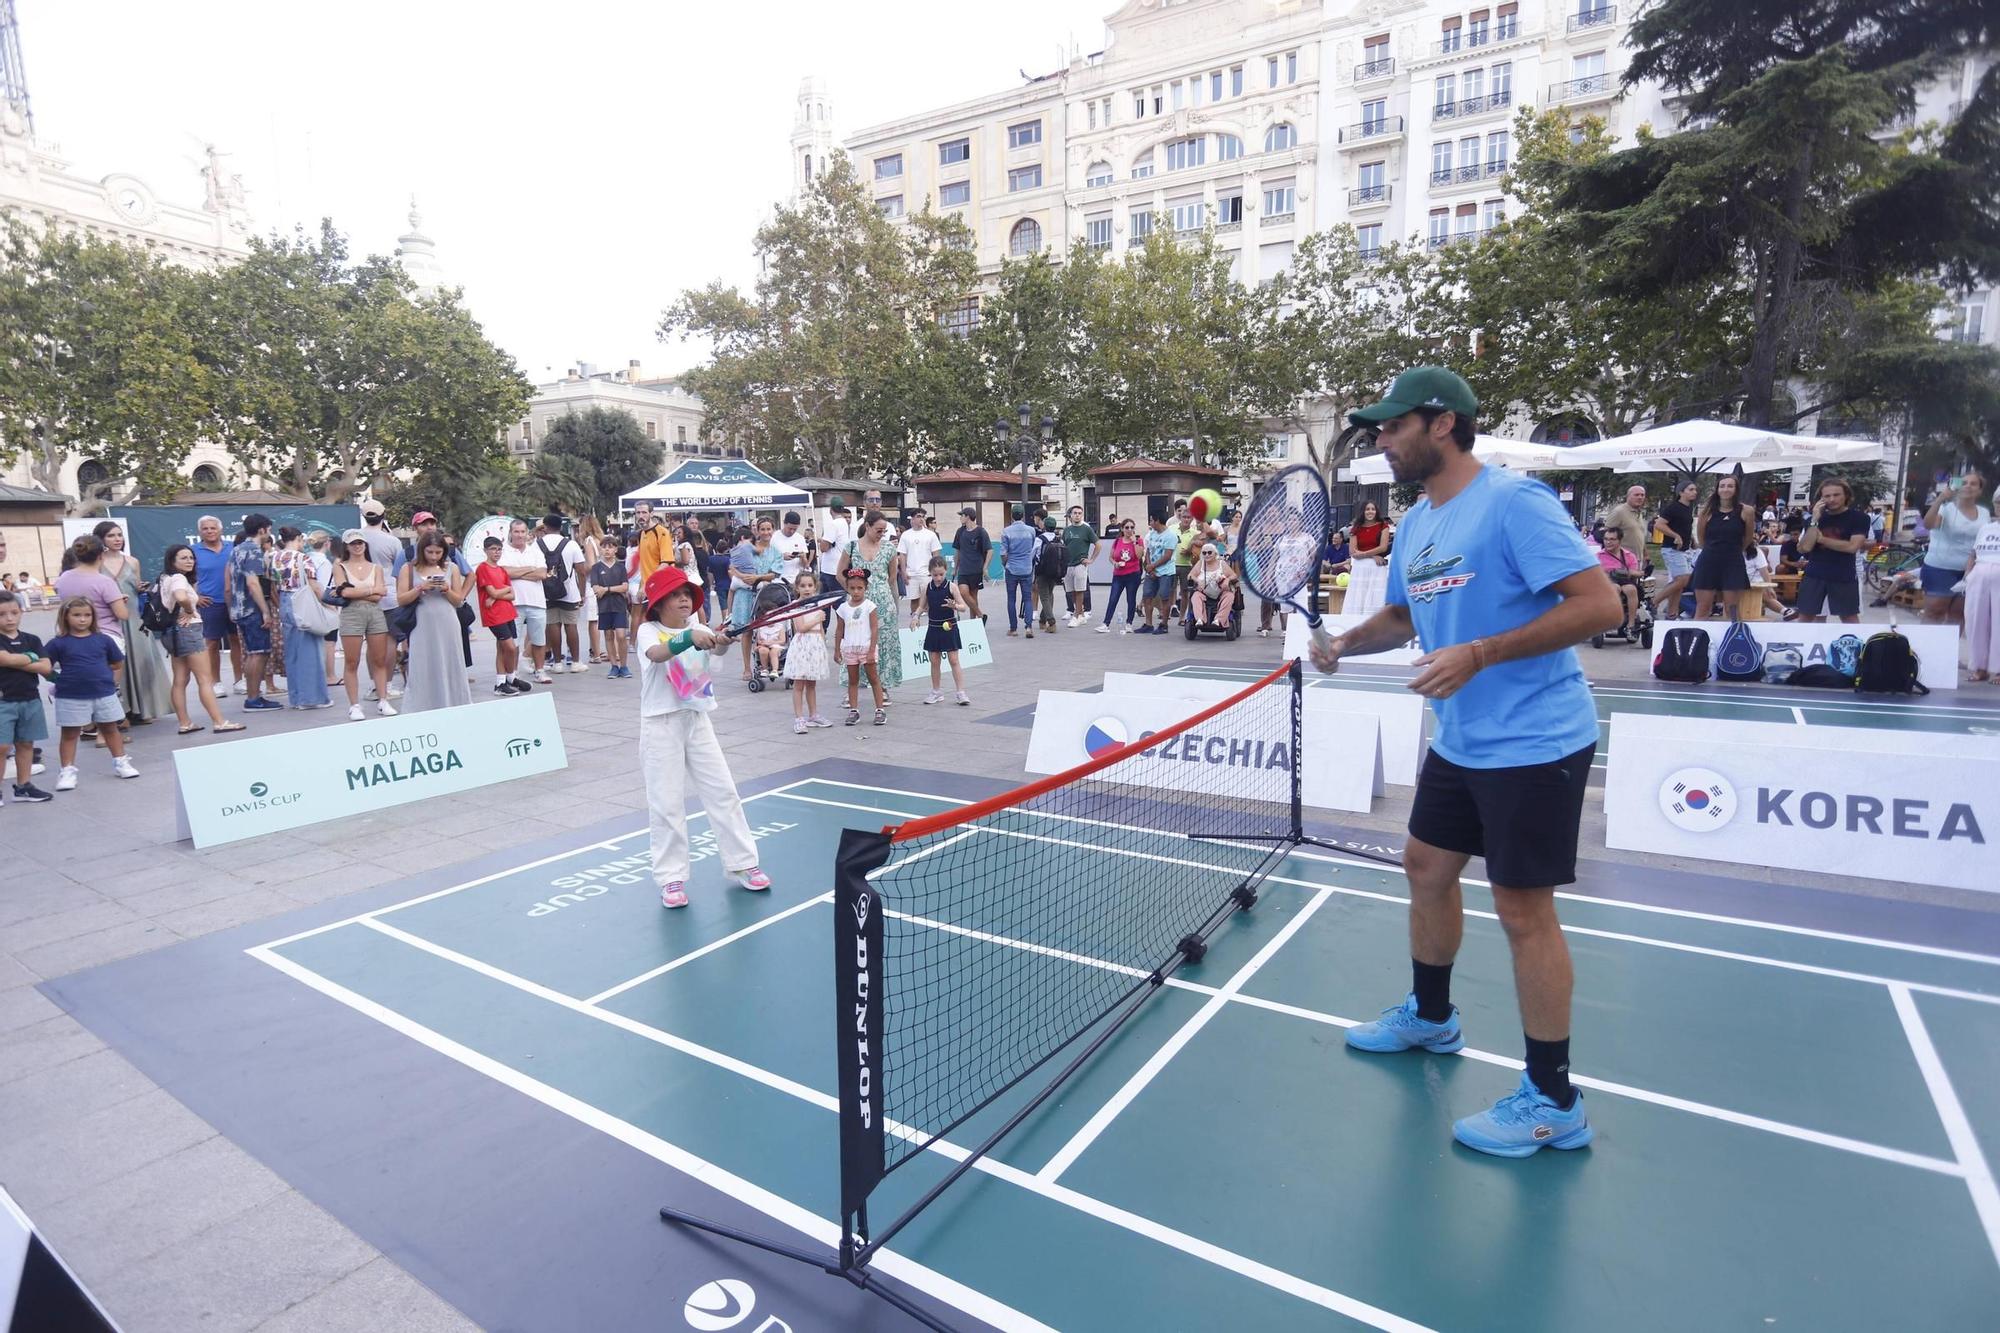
[10,598]
[255,523]
[791,516]
[553,522]
[1463,430]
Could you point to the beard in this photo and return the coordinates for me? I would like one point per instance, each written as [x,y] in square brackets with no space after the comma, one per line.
[1417,461]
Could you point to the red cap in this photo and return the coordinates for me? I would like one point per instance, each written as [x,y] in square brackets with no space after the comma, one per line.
[421,516]
[666,579]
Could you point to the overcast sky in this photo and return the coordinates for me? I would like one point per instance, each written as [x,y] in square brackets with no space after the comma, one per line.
[578,164]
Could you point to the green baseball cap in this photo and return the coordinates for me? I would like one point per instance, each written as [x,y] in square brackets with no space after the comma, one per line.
[1420,386]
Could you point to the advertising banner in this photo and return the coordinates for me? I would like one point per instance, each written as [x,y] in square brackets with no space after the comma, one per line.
[1211,758]
[975,650]
[151,529]
[1911,807]
[1401,714]
[264,784]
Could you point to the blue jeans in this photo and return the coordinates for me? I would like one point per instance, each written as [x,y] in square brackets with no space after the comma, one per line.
[1126,585]
[1021,587]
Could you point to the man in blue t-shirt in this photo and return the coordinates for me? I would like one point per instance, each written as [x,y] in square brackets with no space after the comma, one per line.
[1017,557]
[1489,573]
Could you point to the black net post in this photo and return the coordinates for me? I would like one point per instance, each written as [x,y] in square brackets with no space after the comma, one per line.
[1298,688]
[857,970]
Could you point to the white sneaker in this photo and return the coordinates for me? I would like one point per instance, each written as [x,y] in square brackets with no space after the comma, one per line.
[242,686]
[1124,629]
[1104,629]
[66,780]
[386,709]
[934,697]
[581,667]
[395,693]
[37,769]
[122,766]
[354,712]
[542,678]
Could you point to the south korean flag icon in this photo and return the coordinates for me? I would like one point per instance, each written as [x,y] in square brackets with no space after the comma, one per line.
[1699,800]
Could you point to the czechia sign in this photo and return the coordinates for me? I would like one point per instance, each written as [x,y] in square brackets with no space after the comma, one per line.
[1836,800]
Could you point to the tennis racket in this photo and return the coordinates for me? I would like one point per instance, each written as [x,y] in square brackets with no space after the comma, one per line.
[1284,531]
[804,606]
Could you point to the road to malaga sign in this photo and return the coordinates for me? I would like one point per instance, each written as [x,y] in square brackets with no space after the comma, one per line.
[267,783]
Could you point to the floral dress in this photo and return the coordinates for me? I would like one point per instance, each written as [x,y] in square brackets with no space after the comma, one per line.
[888,634]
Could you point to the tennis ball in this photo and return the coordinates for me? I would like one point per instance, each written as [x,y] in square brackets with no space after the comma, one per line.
[1340,579]
[1204,505]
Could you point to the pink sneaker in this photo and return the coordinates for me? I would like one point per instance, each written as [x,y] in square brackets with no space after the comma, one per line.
[675,894]
[754,879]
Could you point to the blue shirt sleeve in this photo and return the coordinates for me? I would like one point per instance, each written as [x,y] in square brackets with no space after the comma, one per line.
[112,652]
[1398,591]
[1542,544]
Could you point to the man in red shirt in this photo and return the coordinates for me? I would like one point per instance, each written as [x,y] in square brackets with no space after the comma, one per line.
[496,612]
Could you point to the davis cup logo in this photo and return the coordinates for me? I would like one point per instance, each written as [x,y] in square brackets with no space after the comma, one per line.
[1699,800]
[1107,733]
[721,1304]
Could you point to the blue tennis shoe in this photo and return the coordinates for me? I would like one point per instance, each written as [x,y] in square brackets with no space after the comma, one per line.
[1523,1123]
[1399,1029]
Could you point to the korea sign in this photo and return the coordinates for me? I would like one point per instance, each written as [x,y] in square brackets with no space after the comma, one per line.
[1343,770]
[1906,806]
[267,783]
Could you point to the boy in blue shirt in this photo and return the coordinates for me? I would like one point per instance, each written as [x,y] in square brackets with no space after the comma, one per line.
[1489,572]
[1157,588]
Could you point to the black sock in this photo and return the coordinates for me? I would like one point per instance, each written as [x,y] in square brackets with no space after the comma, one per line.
[1432,985]
[1548,1069]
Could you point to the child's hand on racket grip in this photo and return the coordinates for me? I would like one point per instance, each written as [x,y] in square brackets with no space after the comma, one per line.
[706,638]
[1325,650]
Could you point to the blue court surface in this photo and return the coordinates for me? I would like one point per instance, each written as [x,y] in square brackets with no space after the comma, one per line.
[1795,1122]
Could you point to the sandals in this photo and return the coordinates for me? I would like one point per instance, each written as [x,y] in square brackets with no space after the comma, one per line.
[190,729]
[228,727]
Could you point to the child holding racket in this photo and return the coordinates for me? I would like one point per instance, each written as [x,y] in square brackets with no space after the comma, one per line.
[854,630]
[677,741]
[941,640]
[807,663]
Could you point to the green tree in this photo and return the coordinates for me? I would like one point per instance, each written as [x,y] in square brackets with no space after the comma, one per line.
[96,359]
[802,366]
[612,444]
[556,483]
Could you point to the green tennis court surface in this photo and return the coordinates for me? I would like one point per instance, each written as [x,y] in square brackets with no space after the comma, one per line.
[1793,1125]
[1807,708]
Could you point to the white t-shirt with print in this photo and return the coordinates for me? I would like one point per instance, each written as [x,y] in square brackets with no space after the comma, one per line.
[858,624]
[679,684]
[793,548]
[917,546]
[1986,545]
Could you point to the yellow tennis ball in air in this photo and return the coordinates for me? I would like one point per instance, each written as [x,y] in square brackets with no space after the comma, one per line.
[1205,504]
[1340,579]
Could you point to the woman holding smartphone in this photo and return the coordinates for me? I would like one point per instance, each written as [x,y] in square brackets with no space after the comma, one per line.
[432,584]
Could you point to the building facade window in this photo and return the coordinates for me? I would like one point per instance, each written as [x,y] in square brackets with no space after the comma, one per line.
[1185,153]
[680,435]
[961,319]
[1492,213]
[1291,67]
[1440,227]
[954,194]
[1236,80]
[1476,28]
[891,206]
[1444,96]
[1026,238]
[1143,166]
[1090,109]
[1503,82]
[1215,86]
[1139,106]
[1228,148]
[1097,232]
[1229,208]
[1507,24]
[1025,135]
[1098,173]
[1372,182]
[652,430]
[1280,200]
[1474,87]
[1024,178]
[1271,66]
[953,151]
[888,168]
[1496,152]
[1142,223]
[1374,115]
[1187,214]
[1441,162]
[1280,137]
[1179,92]
[1454,34]
[1368,240]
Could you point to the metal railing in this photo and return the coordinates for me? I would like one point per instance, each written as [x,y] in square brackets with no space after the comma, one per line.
[1372,129]
[1367,194]
[1507,29]
[1277,219]
[1585,19]
[1472,106]
[1459,237]
[1375,69]
[1590,85]
[1370,256]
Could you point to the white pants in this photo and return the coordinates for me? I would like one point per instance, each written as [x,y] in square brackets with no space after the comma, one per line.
[1982,616]
[672,748]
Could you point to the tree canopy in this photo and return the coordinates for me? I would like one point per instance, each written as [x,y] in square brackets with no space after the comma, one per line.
[612,446]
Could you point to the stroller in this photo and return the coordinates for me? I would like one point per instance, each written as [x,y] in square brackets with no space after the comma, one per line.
[769,598]
[1638,630]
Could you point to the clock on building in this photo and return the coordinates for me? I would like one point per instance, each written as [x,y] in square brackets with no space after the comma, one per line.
[129,197]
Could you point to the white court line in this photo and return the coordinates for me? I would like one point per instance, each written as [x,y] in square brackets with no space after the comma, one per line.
[611,845]
[1957,1128]
[774,1206]
[683,959]
[1080,1141]
[972,1302]
[1799,716]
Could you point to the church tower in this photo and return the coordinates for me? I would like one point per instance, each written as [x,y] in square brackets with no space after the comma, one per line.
[812,135]
[418,255]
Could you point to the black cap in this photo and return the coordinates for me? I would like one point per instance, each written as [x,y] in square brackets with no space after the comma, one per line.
[969,512]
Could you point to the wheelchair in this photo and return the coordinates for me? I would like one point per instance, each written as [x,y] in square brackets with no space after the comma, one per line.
[1638,628]
[1194,628]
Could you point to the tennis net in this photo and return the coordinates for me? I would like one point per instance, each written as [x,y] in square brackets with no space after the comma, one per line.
[991,949]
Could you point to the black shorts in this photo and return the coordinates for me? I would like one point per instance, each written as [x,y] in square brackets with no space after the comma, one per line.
[1838,599]
[1522,820]
[504,631]
[971,579]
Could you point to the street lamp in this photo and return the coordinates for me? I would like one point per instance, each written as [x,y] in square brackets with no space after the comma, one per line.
[1026,446]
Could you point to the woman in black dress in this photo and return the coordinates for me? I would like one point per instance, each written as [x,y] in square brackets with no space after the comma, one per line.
[1726,534]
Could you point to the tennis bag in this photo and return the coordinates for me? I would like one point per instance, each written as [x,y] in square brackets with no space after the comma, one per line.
[1844,656]
[1739,656]
[1820,676]
[1888,666]
[1780,661]
[1683,657]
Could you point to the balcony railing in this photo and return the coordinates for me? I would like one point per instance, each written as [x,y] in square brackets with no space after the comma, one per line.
[1507,29]
[1369,130]
[1441,176]
[1473,106]
[1465,237]
[1375,69]
[1365,195]
[1585,19]
[1471,39]
[1371,255]
[1277,219]
[1590,85]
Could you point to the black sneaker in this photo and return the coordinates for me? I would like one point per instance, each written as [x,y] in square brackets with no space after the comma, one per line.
[518,686]
[505,689]
[31,793]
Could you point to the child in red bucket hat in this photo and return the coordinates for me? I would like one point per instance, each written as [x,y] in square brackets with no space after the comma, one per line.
[677,741]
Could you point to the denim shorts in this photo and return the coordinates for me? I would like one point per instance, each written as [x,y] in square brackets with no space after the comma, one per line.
[22,721]
[83,712]
[215,623]
[610,618]
[256,634]
[1939,582]
[185,640]
[1156,585]
[1679,564]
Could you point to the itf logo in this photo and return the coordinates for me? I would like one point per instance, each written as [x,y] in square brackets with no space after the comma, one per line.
[1699,800]
[1107,733]
[723,1303]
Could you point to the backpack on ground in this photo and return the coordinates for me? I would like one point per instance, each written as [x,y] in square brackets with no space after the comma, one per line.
[1052,561]
[1780,661]
[155,614]
[1888,666]
[1820,676]
[1683,657]
[1739,656]
[1844,656]
[555,586]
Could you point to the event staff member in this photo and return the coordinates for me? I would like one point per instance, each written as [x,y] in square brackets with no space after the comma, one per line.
[1494,579]
[1832,535]
[652,542]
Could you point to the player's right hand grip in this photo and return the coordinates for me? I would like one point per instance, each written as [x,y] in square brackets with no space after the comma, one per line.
[1323,643]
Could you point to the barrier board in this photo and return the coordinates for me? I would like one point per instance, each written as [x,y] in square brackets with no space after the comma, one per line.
[1401,714]
[975,649]
[1212,758]
[1895,805]
[262,784]
[1298,639]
